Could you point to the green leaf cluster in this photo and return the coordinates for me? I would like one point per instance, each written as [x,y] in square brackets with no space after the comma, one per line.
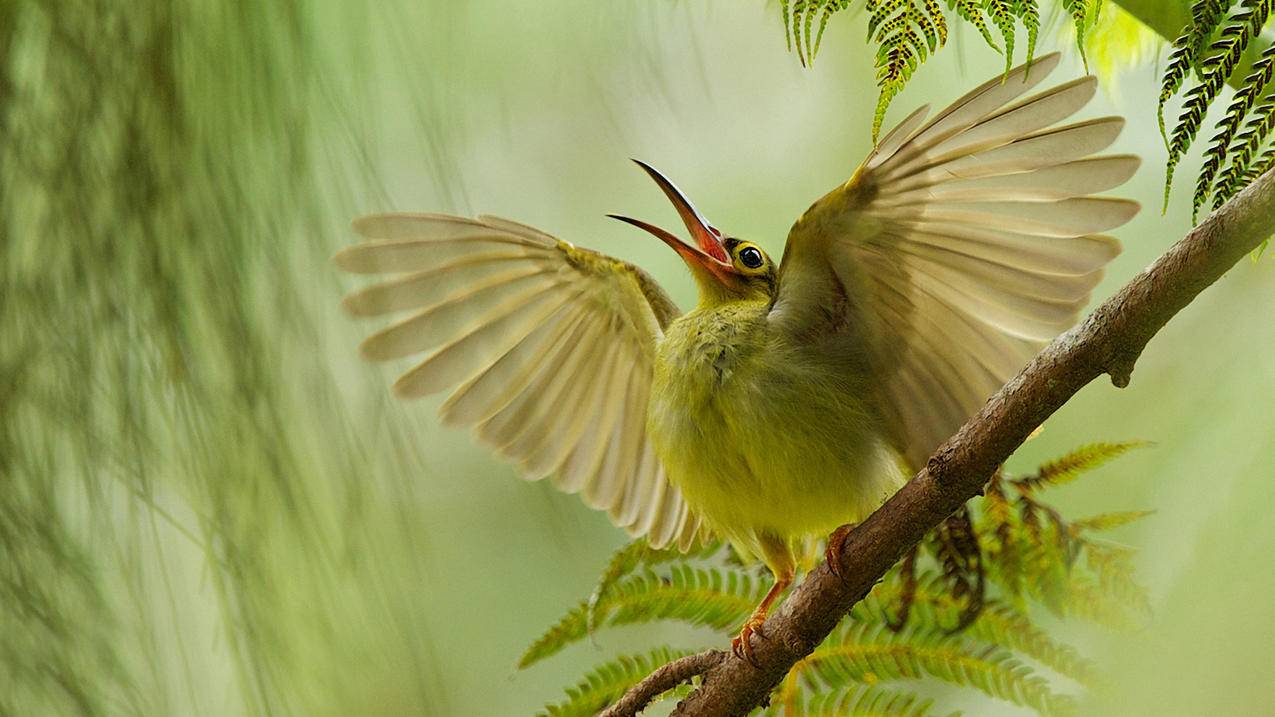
[1210,49]
[960,610]
[907,32]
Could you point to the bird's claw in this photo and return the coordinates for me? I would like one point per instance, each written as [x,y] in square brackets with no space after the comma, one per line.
[742,645]
[836,546]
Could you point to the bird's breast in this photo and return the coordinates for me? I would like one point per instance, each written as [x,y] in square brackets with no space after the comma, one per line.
[760,436]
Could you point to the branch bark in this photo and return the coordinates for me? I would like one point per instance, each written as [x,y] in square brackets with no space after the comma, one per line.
[1109,341]
[662,680]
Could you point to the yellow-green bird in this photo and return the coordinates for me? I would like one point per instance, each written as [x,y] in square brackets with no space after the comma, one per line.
[792,399]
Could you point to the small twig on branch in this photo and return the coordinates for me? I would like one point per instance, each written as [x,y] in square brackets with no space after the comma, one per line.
[1109,341]
[663,680]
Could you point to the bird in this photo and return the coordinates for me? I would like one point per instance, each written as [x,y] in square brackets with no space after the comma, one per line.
[797,396]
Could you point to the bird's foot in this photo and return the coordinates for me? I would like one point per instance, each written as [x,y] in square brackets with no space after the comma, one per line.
[742,645]
[836,546]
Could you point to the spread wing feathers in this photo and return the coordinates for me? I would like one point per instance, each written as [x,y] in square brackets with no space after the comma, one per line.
[547,348]
[959,247]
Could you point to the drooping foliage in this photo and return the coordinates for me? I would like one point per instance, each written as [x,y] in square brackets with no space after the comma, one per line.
[1223,43]
[906,33]
[1211,48]
[962,609]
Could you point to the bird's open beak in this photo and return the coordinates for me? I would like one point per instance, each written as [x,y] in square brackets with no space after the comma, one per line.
[710,253]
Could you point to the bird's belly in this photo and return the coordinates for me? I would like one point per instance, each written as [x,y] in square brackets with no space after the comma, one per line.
[777,451]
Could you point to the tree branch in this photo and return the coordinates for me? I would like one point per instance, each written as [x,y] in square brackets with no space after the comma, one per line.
[663,680]
[1109,341]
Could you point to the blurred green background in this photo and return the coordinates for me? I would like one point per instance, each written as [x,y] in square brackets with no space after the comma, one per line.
[209,506]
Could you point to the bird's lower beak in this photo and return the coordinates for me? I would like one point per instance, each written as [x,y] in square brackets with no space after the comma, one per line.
[710,253]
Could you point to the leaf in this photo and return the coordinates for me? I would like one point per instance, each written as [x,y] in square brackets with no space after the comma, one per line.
[1215,69]
[857,653]
[1108,521]
[1066,469]
[862,701]
[705,597]
[1002,14]
[971,11]
[1205,17]
[608,682]
[1078,10]
[999,624]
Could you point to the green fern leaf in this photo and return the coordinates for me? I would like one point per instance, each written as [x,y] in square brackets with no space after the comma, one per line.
[971,11]
[935,13]
[863,653]
[572,627]
[830,7]
[1108,521]
[999,624]
[1069,467]
[1229,125]
[1029,13]
[638,554]
[887,10]
[800,9]
[705,597]
[1113,566]
[1002,14]
[783,10]
[1078,10]
[609,681]
[1205,17]
[900,52]
[1263,165]
[699,596]
[1261,117]
[863,701]
[1216,69]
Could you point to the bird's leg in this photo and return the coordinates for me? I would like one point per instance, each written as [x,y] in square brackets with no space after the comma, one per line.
[836,545]
[778,556]
[741,646]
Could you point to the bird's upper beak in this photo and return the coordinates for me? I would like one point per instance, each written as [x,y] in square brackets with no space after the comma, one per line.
[710,253]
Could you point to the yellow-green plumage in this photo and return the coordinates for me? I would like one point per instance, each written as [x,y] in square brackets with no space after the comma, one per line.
[790,400]
[761,437]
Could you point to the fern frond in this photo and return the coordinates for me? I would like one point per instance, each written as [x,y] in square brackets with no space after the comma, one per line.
[704,597]
[971,11]
[608,682]
[1113,566]
[1029,12]
[1066,469]
[1215,70]
[900,52]
[1107,521]
[1205,17]
[864,701]
[960,558]
[862,653]
[1002,14]
[783,10]
[999,624]
[570,628]
[638,554]
[1078,10]
[1220,144]
[830,7]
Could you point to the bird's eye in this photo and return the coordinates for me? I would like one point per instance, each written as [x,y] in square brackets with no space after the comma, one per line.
[751,257]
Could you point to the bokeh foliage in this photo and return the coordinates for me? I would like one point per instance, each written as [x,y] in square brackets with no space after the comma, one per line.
[159,187]
[963,609]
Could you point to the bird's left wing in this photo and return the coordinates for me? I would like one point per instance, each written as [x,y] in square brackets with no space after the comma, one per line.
[549,348]
[957,250]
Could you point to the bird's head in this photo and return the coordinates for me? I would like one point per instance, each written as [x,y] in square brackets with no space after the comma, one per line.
[725,268]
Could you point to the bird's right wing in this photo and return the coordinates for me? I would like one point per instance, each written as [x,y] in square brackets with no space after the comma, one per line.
[958,249]
[549,348]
